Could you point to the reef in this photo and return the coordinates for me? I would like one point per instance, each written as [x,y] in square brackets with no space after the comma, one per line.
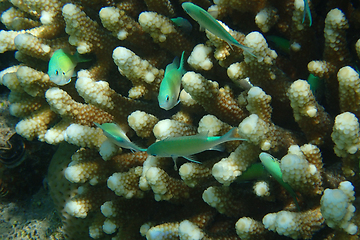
[104,192]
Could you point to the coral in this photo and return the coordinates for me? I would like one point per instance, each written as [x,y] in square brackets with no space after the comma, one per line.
[228,169]
[294,224]
[104,192]
[248,228]
[146,79]
[301,175]
[337,209]
[308,113]
[345,136]
[258,127]
[349,90]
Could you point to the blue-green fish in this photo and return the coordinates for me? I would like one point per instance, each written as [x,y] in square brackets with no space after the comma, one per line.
[307,12]
[182,23]
[255,171]
[62,65]
[316,86]
[186,146]
[170,86]
[117,136]
[211,24]
[273,167]
[281,43]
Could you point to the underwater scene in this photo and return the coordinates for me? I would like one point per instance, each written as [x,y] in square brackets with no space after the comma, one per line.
[174,119]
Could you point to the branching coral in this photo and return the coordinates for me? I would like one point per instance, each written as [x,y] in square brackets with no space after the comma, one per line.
[103,192]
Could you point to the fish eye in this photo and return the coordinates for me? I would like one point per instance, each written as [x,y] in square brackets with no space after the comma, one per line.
[167,97]
[56,72]
[63,73]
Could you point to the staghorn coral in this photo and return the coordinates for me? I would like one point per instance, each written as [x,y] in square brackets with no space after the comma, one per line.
[103,192]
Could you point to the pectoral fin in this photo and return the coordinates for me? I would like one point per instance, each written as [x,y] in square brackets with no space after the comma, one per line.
[175,164]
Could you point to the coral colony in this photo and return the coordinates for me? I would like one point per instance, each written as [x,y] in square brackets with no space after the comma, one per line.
[103,191]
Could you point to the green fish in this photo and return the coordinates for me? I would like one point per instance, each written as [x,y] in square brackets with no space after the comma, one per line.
[211,24]
[62,65]
[281,43]
[117,136]
[170,85]
[182,23]
[316,86]
[307,12]
[187,146]
[255,171]
[273,167]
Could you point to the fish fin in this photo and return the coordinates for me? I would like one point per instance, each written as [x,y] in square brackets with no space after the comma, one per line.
[309,16]
[307,12]
[191,158]
[173,65]
[175,162]
[230,46]
[219,148]
[304,14]
[181,65]
[80,58]
[248,50]
[66,50]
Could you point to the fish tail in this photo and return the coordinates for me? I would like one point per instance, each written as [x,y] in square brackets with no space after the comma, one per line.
[231,136]
[309,15]
[304,15]
[80,58]
[245,48]
[307,12]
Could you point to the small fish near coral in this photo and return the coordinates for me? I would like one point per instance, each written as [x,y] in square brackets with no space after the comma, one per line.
[273,167]
[187,146]
[183,24]
[117,136]
[62,65]
[211,24]
[170,86]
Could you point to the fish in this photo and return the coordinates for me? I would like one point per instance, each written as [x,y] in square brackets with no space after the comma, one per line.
[170,85]
[187,146]
[316,86]
[117,136]
[273,167]
[307,12]
[280,43]
[62,65]
[255,171]
[211,24]
[182,23]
